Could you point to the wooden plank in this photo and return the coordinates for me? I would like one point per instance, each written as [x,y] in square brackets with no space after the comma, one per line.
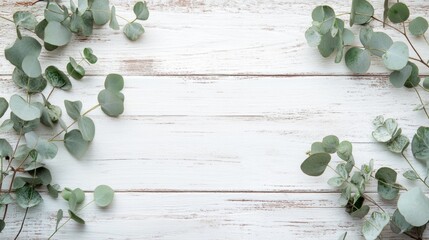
[201,216]
[229,133]
[210,38]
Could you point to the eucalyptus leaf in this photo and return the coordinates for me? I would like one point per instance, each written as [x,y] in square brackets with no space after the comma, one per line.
[87,127]
[114,82]
[111,103]
[420,144]
[411,175]
[414,206]
[316,164]
[5,148]
[379,43]
[141,11]
[385,132]
[418,26]
[75,70]
[54,13]
[27,197]
[56,34]
[386,184]
[26,46]
[133,31]
[57,78]
[25,19]
[24,110]
[344,150]
[73,108]
[373,226]
[31,85]
[325,17]
[398,13]
[361,12]
[100,11]
[396,57]
[313,36]
[103,195]
[60,215]
[113,21]
[76,218]
[4,105]
[358,60]
[45,149]
[398,224]
[89,55]
[31,66]
[75,144]
[398,78]
[399,144]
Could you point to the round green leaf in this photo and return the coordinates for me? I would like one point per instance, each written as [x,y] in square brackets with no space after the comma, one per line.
[396,57]
[328,44]
[386,184]
[414,78]
[44,148]
[25,19]
[316,164]
[26,46]
[89,55]
[73,108]
[324,16]
[313,36]
[418,26]
[133,30]
[365,35]
[3,106]
[31,66]
[27,197]
[414,206]
[348,37]
[420,144]
[317,147]
[75,70]
[358,60]
[111,103]
[361,13]
[24,110]
[398,13]
[399,144]
[103,195]
[57,78]
[373,226]
[114,82]
[100,11]
[31,85]
[54,13]
[75,144]
[141,11]
[330,143]
[379,43]
[398,78]
[344,150]
[87,127]
[385,132]
[56,34]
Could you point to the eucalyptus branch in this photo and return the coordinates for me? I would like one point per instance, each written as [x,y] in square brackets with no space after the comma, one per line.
[74,122]
[412,167]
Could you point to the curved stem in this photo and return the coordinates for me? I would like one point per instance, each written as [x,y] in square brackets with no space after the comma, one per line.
[22,224]
[421,101]
[412,167]
[74,122]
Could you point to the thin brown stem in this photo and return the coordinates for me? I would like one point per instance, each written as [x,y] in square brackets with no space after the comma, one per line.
[22,224]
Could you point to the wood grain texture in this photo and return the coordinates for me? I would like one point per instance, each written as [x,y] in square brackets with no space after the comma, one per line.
[196,216]
[210,38]
[223,99]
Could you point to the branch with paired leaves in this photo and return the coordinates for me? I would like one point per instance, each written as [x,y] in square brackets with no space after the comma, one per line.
[22,167]
[329,34]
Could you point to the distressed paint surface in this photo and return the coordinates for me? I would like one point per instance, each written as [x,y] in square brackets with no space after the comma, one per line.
[223,99]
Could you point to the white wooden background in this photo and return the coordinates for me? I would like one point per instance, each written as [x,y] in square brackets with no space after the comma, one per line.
[223,99]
